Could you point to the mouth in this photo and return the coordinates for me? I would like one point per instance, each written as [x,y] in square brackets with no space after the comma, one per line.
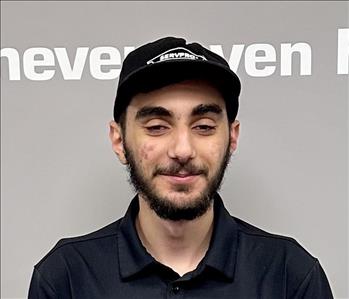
[181,177]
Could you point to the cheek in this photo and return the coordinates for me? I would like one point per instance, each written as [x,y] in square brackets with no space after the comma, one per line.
[214,152]
[146,151]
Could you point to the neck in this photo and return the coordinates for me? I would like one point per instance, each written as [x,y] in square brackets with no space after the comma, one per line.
[180,245]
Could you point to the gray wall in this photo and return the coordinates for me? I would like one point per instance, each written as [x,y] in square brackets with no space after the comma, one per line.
[60,178]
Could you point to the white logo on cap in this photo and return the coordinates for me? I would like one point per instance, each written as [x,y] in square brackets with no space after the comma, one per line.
[176,53]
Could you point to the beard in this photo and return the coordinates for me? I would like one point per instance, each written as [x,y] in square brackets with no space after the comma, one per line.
[162,205]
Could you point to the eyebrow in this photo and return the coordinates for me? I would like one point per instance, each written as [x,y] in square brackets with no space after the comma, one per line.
[148,111]
[203,109]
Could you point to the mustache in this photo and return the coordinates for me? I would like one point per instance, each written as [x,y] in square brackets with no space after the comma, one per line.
[177,169]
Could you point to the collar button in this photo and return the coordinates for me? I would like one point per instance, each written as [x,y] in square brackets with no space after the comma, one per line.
[176,289]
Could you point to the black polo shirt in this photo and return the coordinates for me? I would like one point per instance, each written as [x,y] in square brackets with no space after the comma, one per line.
[242,262]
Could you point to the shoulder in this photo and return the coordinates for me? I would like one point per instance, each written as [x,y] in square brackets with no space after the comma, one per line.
[89,244]
[250,231]
[258,236]
[282,260]
[71,259]
[281,255]
[273,244]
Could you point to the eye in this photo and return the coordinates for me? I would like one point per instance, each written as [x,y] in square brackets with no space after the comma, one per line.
[156,129]
[205,129]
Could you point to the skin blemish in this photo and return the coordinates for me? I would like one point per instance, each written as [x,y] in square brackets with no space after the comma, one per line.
[144,151]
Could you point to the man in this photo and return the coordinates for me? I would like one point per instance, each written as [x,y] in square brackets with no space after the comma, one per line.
[175,128]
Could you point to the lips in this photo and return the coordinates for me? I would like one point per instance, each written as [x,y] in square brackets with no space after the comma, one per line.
[181,177]
[182,174]
[179,174]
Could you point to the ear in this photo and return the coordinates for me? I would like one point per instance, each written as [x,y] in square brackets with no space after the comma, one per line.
[117,142]
[234,135]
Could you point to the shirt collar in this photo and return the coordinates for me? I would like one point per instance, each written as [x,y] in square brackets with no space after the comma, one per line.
[222,252]
[221,255]
[133,257]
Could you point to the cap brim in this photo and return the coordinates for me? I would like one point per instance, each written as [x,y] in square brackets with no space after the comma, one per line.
[157,75]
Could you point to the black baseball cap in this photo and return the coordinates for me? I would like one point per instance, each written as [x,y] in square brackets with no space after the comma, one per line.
[171,60]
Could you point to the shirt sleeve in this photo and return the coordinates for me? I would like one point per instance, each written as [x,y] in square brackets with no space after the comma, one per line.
[315,285]
[40,288]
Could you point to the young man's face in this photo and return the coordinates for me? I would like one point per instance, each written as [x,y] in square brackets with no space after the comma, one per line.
[177,144]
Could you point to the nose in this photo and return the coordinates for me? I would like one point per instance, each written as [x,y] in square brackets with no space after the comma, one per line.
[181,147]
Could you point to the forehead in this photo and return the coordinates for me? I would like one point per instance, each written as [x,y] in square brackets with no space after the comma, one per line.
[179,98]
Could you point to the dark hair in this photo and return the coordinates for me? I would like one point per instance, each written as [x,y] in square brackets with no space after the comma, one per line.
[122,122]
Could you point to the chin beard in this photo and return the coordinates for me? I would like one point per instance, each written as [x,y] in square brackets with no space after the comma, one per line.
[166,208]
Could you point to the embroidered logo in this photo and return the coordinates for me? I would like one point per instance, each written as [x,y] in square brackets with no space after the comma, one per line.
[176,53]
